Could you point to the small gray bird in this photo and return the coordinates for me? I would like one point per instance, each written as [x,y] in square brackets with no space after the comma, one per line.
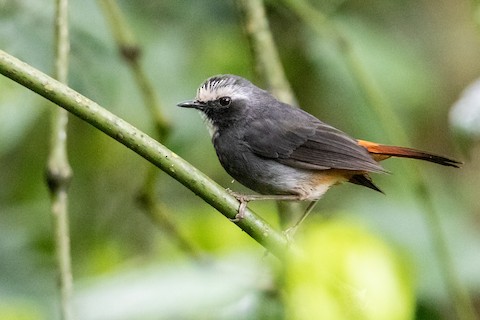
[283,152]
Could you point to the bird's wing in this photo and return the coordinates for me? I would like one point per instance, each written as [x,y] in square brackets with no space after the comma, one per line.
[308,143]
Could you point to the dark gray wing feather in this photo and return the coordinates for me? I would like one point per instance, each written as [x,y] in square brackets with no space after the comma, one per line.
[300,140]
[276,138]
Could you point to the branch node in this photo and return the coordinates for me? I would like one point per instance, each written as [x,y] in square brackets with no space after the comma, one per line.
[130,53]
[58,178]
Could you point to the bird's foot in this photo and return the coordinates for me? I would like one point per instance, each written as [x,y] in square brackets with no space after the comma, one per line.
[243,199]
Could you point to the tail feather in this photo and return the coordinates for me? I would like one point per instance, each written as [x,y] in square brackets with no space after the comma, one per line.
[364,180]
[381,152]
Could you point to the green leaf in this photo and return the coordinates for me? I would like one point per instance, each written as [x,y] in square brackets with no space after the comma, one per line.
[344,272]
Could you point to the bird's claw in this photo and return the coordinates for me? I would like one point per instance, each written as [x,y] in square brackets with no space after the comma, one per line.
[241,212]
[243,199]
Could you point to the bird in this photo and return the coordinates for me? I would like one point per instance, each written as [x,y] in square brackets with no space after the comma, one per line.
[281,151]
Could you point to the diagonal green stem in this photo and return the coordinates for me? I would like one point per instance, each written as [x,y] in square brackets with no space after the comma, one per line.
[145,146]
[265,54]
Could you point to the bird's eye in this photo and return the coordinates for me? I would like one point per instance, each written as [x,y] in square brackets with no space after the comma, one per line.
[224,101]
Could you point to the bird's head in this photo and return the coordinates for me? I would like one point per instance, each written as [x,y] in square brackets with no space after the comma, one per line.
[224,100]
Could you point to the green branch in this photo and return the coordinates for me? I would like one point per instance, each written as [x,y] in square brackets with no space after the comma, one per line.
[265,54]
[58,171]
[131,53]
[145,146]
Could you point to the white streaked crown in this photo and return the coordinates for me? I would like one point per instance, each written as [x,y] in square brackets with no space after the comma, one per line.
[219,86]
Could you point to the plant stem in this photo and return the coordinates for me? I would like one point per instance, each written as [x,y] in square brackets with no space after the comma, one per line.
[58,171]
[161,216]
[145,146]
[265,54]
[386,114]
[269,68]
[131,54]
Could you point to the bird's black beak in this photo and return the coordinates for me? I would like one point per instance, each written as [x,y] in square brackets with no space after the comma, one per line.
[192,104]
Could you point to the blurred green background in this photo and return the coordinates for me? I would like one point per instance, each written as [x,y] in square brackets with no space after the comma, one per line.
[421,54]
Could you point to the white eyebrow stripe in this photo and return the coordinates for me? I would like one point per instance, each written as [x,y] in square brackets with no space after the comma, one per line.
[213,93]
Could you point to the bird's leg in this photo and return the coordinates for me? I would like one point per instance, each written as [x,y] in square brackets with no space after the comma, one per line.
[290,232]
[244,199]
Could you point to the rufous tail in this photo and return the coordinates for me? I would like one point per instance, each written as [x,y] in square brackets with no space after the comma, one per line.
[381,152]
